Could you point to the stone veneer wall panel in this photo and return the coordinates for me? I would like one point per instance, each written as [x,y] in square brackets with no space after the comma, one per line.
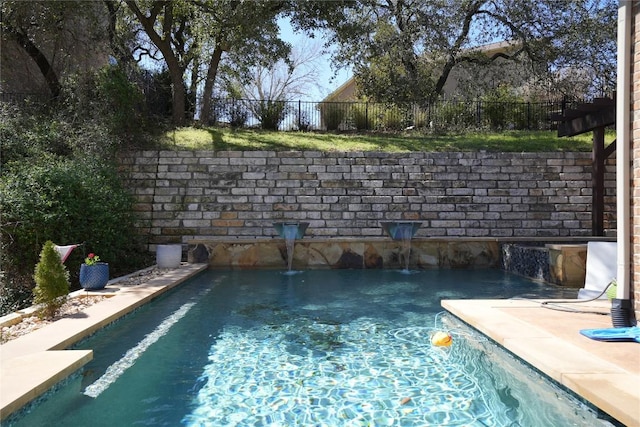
[186,195]
[347,253]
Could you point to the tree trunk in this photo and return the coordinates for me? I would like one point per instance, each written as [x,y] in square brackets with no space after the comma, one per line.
[178,98]
[192,101]
[176,70]
[205,113]
[40,59]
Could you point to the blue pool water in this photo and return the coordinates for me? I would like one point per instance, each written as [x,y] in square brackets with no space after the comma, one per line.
[317,348]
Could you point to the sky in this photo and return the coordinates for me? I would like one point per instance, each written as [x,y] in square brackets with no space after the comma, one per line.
[328,82]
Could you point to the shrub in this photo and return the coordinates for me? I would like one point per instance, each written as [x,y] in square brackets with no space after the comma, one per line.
[333,114]
[52,282]
[14,296]
[496,114]
[30,135]
[78,125]
[420,118]
[238,115]
[105,98]
[361,117]
[303,122]
[500,107]
[454,115]
[58,181]
[66,201]
[393,118]
[121,99]
[271,113]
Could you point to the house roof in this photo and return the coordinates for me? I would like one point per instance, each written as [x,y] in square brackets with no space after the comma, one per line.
[348,86]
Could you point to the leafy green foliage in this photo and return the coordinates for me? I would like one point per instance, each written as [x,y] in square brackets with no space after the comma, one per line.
[271,113]
[405,51]
[499,108]
[333,114]
[104,103]
[121,99]
[238,116]
[52,281]
[31,135]
[361,118]
[394,118]
[14,297]
[454,115]
[98,114]
[67,201]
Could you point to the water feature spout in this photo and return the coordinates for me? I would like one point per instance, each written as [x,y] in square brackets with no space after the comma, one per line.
[402,231]
[290,231]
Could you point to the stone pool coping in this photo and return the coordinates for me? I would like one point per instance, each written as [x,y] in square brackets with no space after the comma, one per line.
[35,362]
[606,374]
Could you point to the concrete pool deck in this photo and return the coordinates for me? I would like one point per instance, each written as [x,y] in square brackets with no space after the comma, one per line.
[35,362]
[605,374]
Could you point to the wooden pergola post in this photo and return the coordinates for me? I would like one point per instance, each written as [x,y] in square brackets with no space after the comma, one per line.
[598,161]
[595,116]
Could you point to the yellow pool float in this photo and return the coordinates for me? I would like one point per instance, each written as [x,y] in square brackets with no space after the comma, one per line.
[441,339]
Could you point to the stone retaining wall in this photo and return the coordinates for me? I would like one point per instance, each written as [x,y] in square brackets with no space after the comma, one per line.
[337,253]
[186,195]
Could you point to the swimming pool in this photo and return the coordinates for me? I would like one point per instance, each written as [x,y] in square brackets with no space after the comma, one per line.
[321,347]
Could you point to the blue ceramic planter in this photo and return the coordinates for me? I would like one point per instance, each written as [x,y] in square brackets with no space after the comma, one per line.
[94,276]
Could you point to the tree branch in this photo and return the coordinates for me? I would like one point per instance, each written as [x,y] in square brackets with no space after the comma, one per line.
[452,59]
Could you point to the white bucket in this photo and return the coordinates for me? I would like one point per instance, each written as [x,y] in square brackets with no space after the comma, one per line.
[168,256]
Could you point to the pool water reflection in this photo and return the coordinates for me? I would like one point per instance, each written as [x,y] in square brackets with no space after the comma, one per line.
[322,347]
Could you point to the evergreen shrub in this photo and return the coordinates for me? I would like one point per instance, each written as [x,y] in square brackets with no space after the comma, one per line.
[52,282]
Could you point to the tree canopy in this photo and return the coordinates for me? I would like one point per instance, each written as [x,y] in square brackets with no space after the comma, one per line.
[245,33]
[404,50]
[400,50]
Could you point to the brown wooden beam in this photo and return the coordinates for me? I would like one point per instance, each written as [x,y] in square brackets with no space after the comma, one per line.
[587,122]
[598,160]
[610,149]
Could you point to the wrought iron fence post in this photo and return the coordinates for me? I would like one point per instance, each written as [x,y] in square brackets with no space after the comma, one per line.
[366,115]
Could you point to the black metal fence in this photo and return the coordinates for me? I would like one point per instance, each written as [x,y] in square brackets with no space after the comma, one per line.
[368,116]
[442,115]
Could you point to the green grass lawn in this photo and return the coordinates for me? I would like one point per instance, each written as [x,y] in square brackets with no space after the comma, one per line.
[219,139]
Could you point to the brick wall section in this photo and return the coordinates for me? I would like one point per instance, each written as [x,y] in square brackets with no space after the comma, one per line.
[204,194]
[635,157]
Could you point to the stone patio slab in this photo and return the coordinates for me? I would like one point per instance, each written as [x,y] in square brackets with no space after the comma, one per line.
[606,374]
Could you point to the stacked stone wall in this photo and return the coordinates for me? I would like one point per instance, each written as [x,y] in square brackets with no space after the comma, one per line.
[186,195]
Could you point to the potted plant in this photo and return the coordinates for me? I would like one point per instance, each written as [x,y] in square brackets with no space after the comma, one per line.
[93,273]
